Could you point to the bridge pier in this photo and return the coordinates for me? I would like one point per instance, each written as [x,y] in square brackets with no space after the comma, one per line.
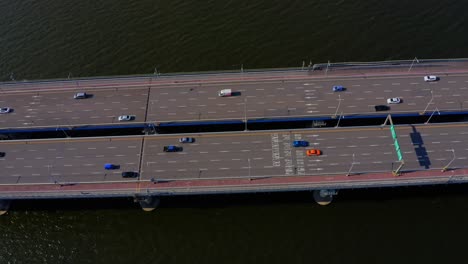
[324,197]
[4,206]
[148,203]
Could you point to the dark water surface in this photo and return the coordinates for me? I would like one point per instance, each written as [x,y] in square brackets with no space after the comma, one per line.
[57,38]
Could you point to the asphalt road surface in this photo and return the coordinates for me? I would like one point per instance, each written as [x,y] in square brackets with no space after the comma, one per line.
[197,100]
[235,155]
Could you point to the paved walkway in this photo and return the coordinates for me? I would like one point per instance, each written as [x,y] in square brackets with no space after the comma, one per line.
[286,183]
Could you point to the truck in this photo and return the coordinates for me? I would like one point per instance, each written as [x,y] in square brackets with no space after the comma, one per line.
[225,93]
[172,148]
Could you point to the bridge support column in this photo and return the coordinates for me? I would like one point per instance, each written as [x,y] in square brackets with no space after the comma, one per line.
[148,203]
[324,197]
[4,206]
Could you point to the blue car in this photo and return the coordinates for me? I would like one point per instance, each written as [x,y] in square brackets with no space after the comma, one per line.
[300,143]
[109,166]
[338,88]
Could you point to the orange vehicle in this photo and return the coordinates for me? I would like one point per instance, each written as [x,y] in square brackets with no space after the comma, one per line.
[313,152]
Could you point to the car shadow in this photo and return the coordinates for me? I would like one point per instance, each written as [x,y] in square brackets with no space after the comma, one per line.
[236,94]
[419,148]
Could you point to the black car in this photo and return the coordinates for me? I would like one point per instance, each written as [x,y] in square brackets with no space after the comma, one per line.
[379,108]
[2,154]
[129,174]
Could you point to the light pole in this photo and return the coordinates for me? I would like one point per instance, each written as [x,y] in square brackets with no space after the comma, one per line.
[415,59]
[338,107]
[427,122]
[249,166]
[427,106]
[450,162]
[49,166]
[351,167]
[245,114]
[66,135]
[338,123]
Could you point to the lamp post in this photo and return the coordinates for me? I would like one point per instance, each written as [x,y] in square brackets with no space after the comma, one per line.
[427,122]
[351,167]
[415,59]
[427,106]
[338,123]
[245,114]
[446,167]
[338,107]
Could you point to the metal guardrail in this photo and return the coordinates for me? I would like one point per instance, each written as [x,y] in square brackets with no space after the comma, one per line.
[219,72]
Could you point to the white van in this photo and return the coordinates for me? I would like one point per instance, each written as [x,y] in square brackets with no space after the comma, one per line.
[225,93]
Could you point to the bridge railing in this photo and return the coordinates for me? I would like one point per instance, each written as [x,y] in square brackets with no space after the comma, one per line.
[10,78]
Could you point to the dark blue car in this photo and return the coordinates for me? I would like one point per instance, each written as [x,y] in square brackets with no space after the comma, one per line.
[300,143]
[338,88]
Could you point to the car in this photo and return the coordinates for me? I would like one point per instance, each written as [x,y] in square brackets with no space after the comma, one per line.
[338,88]
[225,93]
[80,96]
[172,148]
[186,140]
[2,154]
[110,166]
[431,78]
[313,152]
[300,143]
[317,68]
[126,118]
[379,108]
[5,110]
[394,100]
[130,174]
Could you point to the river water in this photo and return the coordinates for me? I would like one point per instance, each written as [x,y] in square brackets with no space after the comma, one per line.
[60,38]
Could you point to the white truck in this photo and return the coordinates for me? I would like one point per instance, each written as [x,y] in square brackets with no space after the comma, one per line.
[225,93]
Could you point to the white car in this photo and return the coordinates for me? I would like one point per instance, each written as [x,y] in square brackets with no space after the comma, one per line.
[126,118]
[395,100]
[80,96]
[430,78]
[186,140]
[5,110]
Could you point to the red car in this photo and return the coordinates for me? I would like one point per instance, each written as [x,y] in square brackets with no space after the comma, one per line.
[313,152]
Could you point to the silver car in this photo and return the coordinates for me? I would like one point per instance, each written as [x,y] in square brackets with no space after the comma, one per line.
[126,118]
[5,110]
[430,78]
[395,100]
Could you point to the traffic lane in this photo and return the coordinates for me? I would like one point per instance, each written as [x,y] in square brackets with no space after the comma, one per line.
[309,98]
[231,108]
[73,160]
[59,108]
[202,102]
[261,107]
[416,95]
[369,151]
[208,157]
[425,148]
[194,103]
[231,157]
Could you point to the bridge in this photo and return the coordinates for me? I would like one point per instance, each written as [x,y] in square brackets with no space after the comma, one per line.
[234,162]
[261,95]
[247,161]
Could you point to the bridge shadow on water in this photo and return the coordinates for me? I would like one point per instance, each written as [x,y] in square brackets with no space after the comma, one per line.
[419,148]
[255,200]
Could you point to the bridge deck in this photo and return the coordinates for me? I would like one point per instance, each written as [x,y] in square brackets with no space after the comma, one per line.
[367,153]
[267,94]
